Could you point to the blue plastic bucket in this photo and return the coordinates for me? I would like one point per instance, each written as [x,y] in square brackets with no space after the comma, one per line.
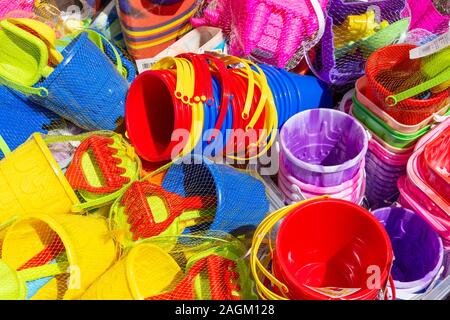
[241,199]
[86,87]
[279,94]
[219,142]
[21,118]
[299,92]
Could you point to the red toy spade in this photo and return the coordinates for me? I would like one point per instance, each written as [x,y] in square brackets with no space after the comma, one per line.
[104,158]
[140,215]
[221,277]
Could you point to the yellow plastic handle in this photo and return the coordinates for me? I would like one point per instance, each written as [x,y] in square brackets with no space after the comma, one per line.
[271,117]
[185,76]
[231,60]
[257,267]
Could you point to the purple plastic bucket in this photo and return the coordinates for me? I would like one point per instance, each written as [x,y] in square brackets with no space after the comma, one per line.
[381,164]
[418,249]
[323,147]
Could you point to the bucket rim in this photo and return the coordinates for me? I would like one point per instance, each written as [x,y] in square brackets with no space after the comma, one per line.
[37,137]
[389,254]
[424,281]
[317,167]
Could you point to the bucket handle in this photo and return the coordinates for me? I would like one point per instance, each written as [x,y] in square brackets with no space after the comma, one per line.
[256,265]
[392,286]
[119,66]
[4,148]
[39,91]
[393,100]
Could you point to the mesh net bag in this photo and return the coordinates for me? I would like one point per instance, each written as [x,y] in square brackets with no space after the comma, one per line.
[270,31]
[83,82]
[354,30]
[7,6]
[190,195]
[201,266]
[410,90]
[54,256]
[429,19]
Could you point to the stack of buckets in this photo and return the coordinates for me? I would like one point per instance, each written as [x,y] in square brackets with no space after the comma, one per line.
[418,251]
[394,130]
[426,187]
[153,112]
[322,152]
[151,26]
[390,147]
[324,249]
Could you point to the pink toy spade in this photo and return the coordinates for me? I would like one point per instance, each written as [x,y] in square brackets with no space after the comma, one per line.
[270,31]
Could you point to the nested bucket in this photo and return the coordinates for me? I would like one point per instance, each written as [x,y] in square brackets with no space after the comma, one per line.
[418,250]
[329,248]
[238,208]
[324,147]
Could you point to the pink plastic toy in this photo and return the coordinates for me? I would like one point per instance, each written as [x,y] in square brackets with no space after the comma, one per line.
[349,184]
[270,31]
[391,159]
[7,6]
[292,193]
[426,16]
[413,198]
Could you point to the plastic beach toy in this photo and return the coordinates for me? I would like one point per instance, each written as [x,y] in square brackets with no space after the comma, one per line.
[31,181]
[318,150]
[395,82]
[382,130]
[102,164]
[417,249]
[14,282]
[215,274]
[23,5]
[21,118]
[148,210]
[353,30]
[89,249]
[145,271]
[85,88]
[23,57]
[361,96]
[317,275]
[322,250]
[238,210]
[43,32]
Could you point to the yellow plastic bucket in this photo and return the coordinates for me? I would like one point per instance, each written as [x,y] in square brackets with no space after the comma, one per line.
[146,271]
[32,182]
[89,247]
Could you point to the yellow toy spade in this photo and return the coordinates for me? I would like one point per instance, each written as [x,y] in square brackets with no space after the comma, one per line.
[43,32]
[23,58]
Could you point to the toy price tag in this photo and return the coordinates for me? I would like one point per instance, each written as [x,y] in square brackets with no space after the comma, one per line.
[334,292]
[431,47]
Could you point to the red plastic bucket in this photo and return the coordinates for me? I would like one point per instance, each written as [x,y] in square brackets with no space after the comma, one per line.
[152,113]
[240,87]
[381,68]
[331,243]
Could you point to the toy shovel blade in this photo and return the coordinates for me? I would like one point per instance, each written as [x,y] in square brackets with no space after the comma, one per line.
[141,216]
[43,32]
